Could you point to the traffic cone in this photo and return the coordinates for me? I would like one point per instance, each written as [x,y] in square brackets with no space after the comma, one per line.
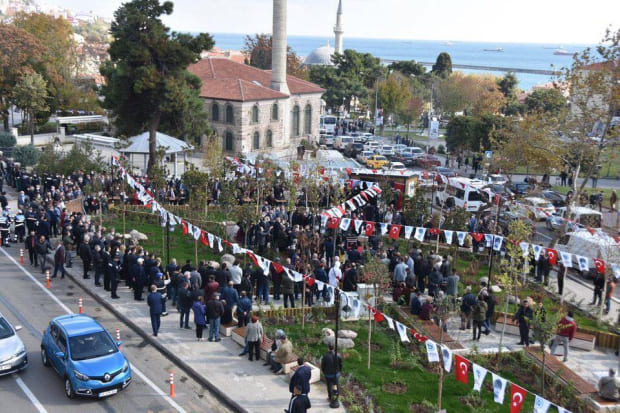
[21,256]
[47,279]
[80,305]
[171,381]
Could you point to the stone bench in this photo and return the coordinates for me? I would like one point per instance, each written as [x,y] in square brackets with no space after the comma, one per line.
[511,326]
[581,341]
[238,336]
[227,329]
[315,372]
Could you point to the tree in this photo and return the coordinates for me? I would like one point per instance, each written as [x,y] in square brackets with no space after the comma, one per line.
[7,141]
[30,95]
[147,83]
[488,99]
[443,65]
[544,326]
[473,133]
[407,67]
[412,111]
[26,155]
[257,49]
[454,93]
[550,101]
[20,52]
[508,85]
[394,94]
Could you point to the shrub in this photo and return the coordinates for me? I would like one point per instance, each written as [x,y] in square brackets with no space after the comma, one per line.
[27,155]
[441,149]
[7,140]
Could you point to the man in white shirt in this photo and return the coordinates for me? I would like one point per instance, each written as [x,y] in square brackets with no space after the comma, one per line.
[236,273]
[335,273]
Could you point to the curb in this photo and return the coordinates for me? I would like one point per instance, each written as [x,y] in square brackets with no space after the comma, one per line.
[227,401]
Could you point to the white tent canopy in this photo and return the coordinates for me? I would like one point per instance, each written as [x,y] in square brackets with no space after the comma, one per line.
[139,144]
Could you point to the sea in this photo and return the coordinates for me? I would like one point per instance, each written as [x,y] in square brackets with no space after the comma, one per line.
[514,55]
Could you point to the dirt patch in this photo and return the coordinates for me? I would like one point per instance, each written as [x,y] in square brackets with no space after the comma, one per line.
[395,388]
[400,364]
[375,347]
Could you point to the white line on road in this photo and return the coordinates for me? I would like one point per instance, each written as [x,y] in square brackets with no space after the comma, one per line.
[33,399]
[26,390]
[34,279]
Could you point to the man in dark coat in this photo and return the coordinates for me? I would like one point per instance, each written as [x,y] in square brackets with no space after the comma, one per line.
[331,366]
[86,255]
[523,317]
[301,378]
[154,300]
[59,260]
[31,247]
[215,310]
[299,403]
[231,298]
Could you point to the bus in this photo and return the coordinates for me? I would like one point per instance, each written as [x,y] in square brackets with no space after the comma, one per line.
[328,124]
[462,193]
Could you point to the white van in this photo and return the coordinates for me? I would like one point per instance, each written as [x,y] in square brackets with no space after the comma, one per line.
[592,245]
[341,142]
[372,146]
[462,193]
[579,216]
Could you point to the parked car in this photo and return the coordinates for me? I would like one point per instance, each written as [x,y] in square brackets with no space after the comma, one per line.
[579,216]
[413,150]
[496,179]
[534,208]
[372,145]
[353,149]
[84,354]
[387,151]
[557,199]
[405,158]
[397,166]
[501,189]
[13,354]
[447,172]
[377,161]
[398,148]
[327,140]
[506,217]
[520,188]
[427,161]
[341,142]
[363,156]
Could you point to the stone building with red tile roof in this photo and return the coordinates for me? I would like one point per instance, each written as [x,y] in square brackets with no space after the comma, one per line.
[249,115]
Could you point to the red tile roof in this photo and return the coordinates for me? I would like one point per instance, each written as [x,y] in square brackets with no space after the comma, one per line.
[229,80]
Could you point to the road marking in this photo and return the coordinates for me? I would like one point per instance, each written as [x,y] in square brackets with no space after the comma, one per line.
[34,279]
[25,388]
[33,399]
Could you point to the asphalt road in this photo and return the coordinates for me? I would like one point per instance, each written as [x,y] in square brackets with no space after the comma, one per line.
[25,301]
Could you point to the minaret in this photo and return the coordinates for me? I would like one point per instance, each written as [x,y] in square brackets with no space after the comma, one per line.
[338,29]
[278,48]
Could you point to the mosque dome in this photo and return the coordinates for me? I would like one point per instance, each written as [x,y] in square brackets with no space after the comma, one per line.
[320,56]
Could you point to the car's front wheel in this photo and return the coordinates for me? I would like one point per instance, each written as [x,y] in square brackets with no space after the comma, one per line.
[44,358]
[69,388]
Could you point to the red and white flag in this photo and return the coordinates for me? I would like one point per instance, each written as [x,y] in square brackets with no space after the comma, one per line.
[553,256]
[462,368]
[370,228]
[333,223]
[517,398]
[600,265]
[395,231]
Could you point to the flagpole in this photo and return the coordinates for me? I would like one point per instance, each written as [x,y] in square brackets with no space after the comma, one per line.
[492,244]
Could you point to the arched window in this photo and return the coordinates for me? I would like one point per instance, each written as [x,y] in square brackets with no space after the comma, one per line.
[308,120]
[229,114]
[255,114]
[215,112]
[229,142]
[295,121]
[274,111]
[256,141]
[269,139]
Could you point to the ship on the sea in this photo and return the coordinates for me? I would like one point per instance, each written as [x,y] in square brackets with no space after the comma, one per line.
[562,52]
[497,49]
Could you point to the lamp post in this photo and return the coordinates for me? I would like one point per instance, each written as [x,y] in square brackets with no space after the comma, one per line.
[334,403]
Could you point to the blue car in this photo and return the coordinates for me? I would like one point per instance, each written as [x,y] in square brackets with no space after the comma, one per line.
[85,356]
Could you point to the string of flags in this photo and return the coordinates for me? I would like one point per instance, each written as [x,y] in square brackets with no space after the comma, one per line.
[518,394]
[496,242]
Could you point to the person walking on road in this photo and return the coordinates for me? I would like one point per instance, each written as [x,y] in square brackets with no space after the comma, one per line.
[599,284]
[59,260]
[215,310]
[154,300]
[31,247]
[200,320]
[523,317]
[184,297]
[609,292]
[566,330]
[331,366]
[254,336]
[478,316]
[43,247]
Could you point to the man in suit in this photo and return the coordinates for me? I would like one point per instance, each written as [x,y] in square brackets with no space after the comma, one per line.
[154,300]
[31,247]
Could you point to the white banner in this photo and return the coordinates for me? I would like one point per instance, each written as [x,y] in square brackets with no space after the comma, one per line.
[419,233]
[499,388]
[446,355]
[479,374]
[488,238]
[358,224]
[460,235]
[196,233]
[448,235]
[525,247]
[431,350]
[541,405]
[408,231]
[567,259]
[537,250]
[584,264]
[497,243]
[402,332]
[384,228]
[344,223]
[389,321]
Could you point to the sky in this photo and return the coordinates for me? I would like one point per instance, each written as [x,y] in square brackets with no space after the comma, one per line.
[525,21]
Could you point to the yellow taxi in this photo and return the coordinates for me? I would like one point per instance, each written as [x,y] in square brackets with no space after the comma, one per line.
[377,161]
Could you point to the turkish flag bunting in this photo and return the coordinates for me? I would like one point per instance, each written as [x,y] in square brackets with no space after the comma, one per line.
[322,170]
[477,236]
[600,265]
[184,224]
[462,369]
[376,189]
[349,171]
[395,231]
[310,281]
[590,230]
[370,229]
[333,223]
[253,258]
[277,266]
[616,238]
[203,238]
[363,193]
[378,317]
[517,398]
[434,231]
[553,256]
